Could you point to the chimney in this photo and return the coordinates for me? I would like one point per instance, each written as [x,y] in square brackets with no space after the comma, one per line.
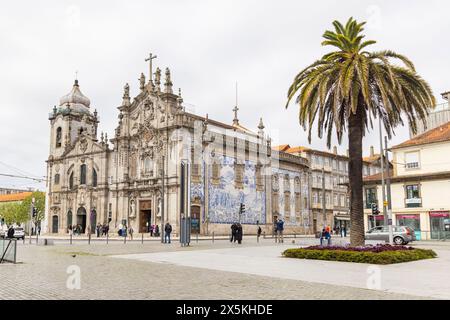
[334,150]
[372,153]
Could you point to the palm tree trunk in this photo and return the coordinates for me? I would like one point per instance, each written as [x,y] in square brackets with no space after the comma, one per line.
[355,136]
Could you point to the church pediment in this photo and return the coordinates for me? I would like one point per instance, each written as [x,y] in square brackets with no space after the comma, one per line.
[84,144]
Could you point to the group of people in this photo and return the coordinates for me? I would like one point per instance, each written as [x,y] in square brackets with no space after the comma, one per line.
[278,230]
[342,231]
[236,233]
[154,230]
[76,230]
[325,235]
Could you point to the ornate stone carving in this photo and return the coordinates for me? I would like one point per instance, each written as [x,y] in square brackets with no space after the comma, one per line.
[83,145]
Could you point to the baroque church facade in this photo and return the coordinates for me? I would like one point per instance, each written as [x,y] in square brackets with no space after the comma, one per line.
[164,163]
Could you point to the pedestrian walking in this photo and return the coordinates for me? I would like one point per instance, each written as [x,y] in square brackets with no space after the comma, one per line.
[131,231]
[152,227]
[98,230]
[10,233]
[344,232]
[157,231]
[233,232]
[167,232]
[259,232]
[280,229]
[239,233]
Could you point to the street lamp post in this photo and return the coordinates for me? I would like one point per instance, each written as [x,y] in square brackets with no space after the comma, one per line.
[162,199]
[388,191]
[383,194]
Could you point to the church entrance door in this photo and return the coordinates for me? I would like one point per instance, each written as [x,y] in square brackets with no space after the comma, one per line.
[81,219]
[145,216]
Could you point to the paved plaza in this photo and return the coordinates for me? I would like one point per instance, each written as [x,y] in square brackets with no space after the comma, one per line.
[206,270]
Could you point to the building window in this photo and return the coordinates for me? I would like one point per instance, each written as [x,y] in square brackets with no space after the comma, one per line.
[71,181]
[412,160]
[413,199]
[58,137]
[94,178]
[371,197]
[297,203]
[335,200]
[314,197]
[287,183]
[83,174]
[334,164]
[287,203]
[342,201]
[148,165]
[275,203]
[239,175]
[57,178]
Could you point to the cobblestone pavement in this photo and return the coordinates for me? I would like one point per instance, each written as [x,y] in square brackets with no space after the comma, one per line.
[42,274]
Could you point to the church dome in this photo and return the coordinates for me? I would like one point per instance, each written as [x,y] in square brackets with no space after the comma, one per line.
[75,99]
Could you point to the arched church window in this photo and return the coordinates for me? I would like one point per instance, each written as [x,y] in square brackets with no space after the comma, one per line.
[83,174]
[94,177]
[71,181]
[57,178]
[58,137]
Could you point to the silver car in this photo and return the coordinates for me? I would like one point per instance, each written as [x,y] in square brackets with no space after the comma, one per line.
[401,235]
[19,233]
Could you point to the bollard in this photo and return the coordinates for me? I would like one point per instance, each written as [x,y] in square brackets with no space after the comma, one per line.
[142,238]
[107,237]
[89,238]
[125,239]
[70,238]
[213,237]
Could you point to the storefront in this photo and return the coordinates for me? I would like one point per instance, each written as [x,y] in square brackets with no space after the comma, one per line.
[341,221]
[412,221]
[375,221]
[440,224]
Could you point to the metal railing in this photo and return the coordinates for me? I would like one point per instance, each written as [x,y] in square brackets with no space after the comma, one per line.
[8,250]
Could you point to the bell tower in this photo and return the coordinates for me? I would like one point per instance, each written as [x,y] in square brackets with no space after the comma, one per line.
[70,120]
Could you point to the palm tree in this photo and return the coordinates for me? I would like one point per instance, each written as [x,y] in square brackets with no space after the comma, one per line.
[347,89]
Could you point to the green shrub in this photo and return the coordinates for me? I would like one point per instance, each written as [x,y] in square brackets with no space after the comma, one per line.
[386,257]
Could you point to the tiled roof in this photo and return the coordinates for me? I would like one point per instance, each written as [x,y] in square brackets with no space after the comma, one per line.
[14,197]
[297,149]
[439,134]
[282,147]
[373,158]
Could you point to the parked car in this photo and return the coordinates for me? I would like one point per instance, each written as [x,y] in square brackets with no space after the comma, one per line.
[19,233]
[401,234]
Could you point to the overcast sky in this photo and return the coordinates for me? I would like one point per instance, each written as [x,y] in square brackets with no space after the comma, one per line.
[208,45]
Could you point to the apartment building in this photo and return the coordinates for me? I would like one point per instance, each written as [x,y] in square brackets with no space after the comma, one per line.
[420,185]
[330,199]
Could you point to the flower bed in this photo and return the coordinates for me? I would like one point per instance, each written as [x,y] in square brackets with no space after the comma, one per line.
[380,254]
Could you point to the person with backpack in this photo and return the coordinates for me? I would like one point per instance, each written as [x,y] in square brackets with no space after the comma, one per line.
[233,232]
[239,233]
[167,231]
[10,232]
[280,229]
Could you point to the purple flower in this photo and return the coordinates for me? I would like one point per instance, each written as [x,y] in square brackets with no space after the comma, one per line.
[369,248]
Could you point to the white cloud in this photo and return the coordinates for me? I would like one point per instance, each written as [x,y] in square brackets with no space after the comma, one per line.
[209,45]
